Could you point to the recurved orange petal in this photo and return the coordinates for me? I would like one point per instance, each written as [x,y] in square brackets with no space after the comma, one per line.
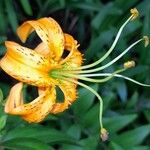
[70,45]
[74,60]
[70,95]
[42,49]
[27,56]
[48,30]
[26,65]
[15,98]
[43,107]
[34,111]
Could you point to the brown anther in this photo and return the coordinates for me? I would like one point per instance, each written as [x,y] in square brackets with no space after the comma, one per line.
[129,64]
[134,13]
[104,134]
[146,40]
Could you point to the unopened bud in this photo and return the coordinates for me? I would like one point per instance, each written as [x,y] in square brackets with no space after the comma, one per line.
[134,13]
[129,64]
[146,40]
[104,134]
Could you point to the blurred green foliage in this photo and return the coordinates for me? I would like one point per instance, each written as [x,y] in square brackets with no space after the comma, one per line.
[94,23]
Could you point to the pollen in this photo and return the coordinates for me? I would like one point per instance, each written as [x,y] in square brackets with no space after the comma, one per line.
[146,40]
[104,134]
[134,13]
[129,64]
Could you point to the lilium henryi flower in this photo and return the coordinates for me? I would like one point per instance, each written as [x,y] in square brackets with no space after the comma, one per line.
[45,68]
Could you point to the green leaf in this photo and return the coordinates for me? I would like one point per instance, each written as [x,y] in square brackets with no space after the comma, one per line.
[27,144]
[89,143]
[133,137]
[75,131]
[103,14]
[1,96]
[3,119]
[5,87]
[122,91]
[137,70]
[46,135]
[114,124]
[141,148]
[146,113]
[62,3]
[70,147]
[26,6]
[127,4]
[85,144]
[97,44]
[2,39]
[90,119]
[133,100]
[3,19]
[2,50]
[86,6]
[115,146]
[11,14]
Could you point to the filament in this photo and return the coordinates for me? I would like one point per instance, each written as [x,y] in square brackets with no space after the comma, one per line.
[111,62]
[118,76]
[82,77]
[111,48]
[95,93]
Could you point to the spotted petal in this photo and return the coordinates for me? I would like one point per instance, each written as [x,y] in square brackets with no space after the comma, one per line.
[70,45]
[70,95]
[26,65]
[48,30]
[34,111]
[75,59]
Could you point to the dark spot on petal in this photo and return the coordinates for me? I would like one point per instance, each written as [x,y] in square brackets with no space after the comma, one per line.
[31,54]
[40,27]
[47,35]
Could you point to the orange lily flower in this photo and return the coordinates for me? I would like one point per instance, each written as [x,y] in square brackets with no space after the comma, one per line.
[45,68]
[34,67]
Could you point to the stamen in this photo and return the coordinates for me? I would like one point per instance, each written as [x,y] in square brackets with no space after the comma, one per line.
[129,64]
[104,134]
[81,77]
[146,40]
[134,14]
[102,129]
[111,62]
[118,76]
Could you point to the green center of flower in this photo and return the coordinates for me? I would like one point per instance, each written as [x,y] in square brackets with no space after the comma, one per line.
[60,72]
[54,73]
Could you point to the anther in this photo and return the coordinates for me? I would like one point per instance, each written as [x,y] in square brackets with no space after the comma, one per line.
[146,40]
[104,134]
[129,64]
[134,13]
